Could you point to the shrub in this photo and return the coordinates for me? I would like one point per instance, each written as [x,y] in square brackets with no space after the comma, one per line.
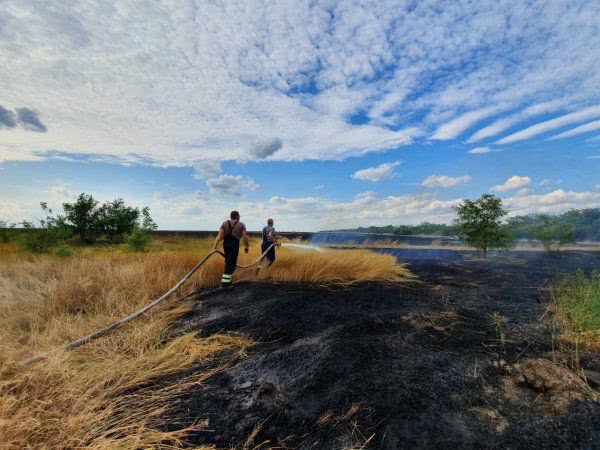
[6,231]
[115,219]
[577,305]
[138,239]
[50,233]
[552,234]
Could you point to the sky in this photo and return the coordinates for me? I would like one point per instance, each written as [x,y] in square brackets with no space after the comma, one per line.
[320,114]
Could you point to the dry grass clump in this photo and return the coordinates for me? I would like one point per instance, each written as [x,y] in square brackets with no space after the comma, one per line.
[114,392]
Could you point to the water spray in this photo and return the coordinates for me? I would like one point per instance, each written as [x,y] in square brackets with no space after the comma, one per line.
[303,246]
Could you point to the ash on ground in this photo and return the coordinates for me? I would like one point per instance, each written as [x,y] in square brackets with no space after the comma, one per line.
[458,357]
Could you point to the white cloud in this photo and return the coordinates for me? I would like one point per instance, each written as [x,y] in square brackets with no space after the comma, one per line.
[593,157]
[586,128]
[265,148]
[205,80]
[206,169]
[480,150]
[457,126]
[16,154]
[381,172]
[543,127]
[514,182]
[553,202]
[500,125]
[231,185]
[444,181]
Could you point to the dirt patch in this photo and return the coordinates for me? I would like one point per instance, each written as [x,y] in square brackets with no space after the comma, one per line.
[421,364]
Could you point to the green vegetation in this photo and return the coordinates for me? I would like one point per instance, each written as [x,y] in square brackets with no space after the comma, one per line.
[586,223]
[479,223]
[50,233]
[577,305]
[552,234]
[6,231]
[89,221]
[438,229]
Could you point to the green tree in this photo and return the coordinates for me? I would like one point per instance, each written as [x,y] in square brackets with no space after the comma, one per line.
[552,234]
[480,223]
[115,219]
[82,216]
[141,235]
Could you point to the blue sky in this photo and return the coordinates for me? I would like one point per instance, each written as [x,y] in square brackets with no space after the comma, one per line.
[319,114]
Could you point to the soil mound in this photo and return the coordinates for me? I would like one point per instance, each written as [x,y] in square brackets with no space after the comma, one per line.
[452,359]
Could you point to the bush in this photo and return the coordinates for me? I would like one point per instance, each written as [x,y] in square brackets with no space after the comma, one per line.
[112,219]
[138,239]
[50,233]
[6,231]
[552,234]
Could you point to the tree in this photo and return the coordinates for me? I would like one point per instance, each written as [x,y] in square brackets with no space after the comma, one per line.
[479,223]
[141,235]
[115,219]
[83,216]
[552,234]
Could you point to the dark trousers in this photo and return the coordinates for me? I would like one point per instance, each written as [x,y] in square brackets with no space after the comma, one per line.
[231,247]
[270,254]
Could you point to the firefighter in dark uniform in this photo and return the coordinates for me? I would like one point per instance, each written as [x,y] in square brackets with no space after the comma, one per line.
[268,235]
[231,232]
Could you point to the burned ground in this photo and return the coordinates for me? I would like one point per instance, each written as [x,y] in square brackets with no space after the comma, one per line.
[458,357]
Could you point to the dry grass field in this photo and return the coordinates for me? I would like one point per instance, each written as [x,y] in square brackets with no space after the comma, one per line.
[107,394]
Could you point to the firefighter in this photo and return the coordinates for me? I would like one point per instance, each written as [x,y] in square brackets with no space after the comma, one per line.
[268,235]
[231,232]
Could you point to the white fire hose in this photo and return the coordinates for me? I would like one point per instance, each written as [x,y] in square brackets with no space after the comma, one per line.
[90,337]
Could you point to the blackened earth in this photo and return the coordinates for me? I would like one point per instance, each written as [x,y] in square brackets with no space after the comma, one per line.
[456,358]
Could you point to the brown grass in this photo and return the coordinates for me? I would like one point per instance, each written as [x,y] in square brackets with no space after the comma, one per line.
[113,393]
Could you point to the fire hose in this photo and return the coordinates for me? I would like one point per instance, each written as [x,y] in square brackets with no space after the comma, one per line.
[113,326]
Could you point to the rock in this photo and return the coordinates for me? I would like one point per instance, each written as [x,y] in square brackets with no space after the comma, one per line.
[543,388]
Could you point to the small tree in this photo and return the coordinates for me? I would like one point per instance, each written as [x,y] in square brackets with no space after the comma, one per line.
[115,219]
[83,216]
[479,223]
[552,234]
[50,233]
[139,238]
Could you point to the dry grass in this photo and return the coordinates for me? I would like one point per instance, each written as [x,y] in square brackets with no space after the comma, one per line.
[112,392]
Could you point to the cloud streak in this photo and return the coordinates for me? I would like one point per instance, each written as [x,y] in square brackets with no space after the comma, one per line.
[549,125]
[444,181]
[374,174]
[514,182]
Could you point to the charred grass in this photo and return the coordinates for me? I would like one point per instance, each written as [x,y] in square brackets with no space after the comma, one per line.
[113,393]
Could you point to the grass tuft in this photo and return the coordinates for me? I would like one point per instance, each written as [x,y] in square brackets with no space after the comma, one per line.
[576,305]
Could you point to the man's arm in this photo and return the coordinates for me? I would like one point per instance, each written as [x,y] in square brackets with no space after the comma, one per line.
[272,238]
[245,238]
[218,238]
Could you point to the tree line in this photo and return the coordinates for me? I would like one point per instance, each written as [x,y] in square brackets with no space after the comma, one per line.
[483,223]
[88,220]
